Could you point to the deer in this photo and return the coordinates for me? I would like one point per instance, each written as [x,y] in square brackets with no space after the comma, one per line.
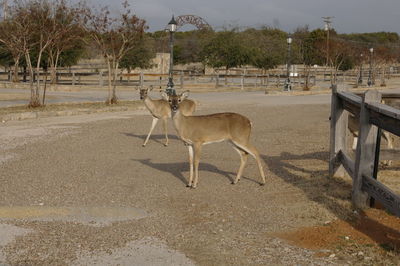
[353,125]
[197,131]
[160,109]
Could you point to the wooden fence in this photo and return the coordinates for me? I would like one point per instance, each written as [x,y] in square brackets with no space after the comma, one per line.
[373,115]
[184,79]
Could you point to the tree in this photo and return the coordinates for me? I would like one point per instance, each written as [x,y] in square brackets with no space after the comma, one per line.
[114,37]
[10,31]
[268,46]
[139,56]
[28,32]
[70,35]
[226,50]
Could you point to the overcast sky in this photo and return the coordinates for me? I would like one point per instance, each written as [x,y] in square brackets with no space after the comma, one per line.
[350,16]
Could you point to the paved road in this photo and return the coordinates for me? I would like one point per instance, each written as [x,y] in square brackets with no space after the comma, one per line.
[87,95]
[257,97]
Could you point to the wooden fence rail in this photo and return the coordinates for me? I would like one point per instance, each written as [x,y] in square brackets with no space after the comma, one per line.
[372,115]
[235,79]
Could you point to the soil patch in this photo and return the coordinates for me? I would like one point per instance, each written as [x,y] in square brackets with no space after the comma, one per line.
[372,227]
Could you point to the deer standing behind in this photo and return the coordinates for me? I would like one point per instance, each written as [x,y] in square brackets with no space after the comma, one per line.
[354,124]
[160,109]
[197,131]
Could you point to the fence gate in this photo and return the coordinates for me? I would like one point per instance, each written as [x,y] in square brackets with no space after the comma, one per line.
[372,115]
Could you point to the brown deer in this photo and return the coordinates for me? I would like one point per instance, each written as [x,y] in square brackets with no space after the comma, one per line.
[197,131]
[160,109]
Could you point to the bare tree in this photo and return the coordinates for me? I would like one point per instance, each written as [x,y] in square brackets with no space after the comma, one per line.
[34,29]
[383,56]
[68,33]
[10,37]
[338,51]
[114,37]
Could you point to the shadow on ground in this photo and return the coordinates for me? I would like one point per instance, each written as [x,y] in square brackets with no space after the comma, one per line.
[176,169]
[318,187]
[156,138]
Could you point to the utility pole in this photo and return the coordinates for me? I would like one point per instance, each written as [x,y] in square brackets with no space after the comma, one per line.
[5,7]
[328,21]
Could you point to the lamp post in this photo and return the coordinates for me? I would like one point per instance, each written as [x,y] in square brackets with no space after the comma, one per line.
[361,63]
[172,25]
[370,82]
[288,85]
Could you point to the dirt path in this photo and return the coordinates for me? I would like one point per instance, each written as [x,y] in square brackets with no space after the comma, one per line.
[97,161]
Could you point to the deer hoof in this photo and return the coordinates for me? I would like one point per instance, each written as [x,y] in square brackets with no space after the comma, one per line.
[262,184]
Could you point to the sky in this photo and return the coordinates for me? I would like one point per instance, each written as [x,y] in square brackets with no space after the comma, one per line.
[349,16]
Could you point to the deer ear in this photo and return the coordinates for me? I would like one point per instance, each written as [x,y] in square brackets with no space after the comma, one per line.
[184,95]
[151,88]
[164,95]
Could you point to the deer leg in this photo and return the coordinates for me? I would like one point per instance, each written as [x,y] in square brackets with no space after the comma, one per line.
[253,151]
[389,140]
[165,131]
[355,142]
[197,152]
[243,160]
[190,165]
[153,125]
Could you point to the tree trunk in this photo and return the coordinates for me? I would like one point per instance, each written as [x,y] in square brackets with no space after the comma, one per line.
[114,92]
[16,66]
[109,81]
[34,101]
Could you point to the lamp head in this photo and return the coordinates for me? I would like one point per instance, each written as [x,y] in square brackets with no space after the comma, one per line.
[172,25]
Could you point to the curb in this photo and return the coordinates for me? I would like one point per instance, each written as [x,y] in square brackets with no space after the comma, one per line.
[80,111]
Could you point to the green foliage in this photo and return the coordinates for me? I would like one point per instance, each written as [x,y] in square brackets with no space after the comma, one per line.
[268,46]
[139,56]
[225,49]
[6,58]
[373,37]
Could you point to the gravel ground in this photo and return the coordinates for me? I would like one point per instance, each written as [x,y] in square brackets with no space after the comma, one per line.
[95,161]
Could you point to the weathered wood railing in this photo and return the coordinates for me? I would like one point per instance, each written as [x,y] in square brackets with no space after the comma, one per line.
[372,115]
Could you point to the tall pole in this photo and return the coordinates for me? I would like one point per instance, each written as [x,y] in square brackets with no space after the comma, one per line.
[170,85]
[370,82]
[172,26]
[288,85]
[5,7]
[328,21]
[361,71]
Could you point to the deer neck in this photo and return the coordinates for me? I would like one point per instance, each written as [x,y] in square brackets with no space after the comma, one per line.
[149,103]
[179,119]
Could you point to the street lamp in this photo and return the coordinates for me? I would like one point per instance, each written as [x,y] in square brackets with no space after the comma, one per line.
[361,63]
[370,82]
[288,85]
[172,26]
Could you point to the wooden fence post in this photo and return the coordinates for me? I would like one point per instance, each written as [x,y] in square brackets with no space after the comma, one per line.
[181,79]
[338,131]
[141,79]
[242,82]
[365,153]
[101,81]
[73,78]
